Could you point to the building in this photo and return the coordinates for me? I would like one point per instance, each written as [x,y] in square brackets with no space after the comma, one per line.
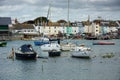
[24,31]
[4,28]
[95,29]
[104,27]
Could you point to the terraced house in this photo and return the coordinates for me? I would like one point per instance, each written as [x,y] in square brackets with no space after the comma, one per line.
[56,28]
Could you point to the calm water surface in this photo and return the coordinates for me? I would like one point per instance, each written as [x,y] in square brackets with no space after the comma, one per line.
[64,67]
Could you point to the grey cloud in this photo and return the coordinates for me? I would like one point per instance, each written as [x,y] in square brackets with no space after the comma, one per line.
[39,7]
[113,5]
[98,5]
[74,4]
[11,2]
[1,2]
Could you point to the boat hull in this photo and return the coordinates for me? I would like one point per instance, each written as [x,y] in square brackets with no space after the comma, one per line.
[103,43]
[39,43]
[25,56]
[91,38]
[54,53]
[3,44]
[81,54]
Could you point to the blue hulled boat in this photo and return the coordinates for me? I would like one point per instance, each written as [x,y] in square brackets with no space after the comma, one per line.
[39,43]
[42,41]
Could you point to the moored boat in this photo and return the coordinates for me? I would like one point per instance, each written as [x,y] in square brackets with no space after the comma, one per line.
[53,49]
[67,47]
[53,53]
[39,43]
[25,52]
[81,54]
[81,48]
[3,44]
[91,38]
[42,41]
[103,43]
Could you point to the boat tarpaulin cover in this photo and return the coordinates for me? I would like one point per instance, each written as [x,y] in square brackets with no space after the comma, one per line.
[26,48]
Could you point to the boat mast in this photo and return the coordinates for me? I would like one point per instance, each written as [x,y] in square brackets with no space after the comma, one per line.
[68,23]
[48,14]
[68,14]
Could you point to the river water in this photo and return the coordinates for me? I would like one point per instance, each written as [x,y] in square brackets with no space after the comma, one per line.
[64,67]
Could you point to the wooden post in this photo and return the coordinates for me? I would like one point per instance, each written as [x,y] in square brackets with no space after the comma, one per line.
[11,56]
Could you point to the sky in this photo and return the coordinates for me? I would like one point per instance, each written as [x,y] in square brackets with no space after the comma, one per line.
[79,10]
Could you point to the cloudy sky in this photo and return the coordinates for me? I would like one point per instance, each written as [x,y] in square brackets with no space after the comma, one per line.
[78,9]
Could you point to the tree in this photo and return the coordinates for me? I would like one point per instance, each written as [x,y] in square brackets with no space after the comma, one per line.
[61,21]
[40,20]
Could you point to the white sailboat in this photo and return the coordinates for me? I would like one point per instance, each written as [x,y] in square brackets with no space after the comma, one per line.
[67,46]
[53,49]
[81,54]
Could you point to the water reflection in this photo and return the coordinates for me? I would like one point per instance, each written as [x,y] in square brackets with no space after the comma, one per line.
[64,67]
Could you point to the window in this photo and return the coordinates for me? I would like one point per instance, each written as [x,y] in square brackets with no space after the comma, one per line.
[31,30]
[28,30]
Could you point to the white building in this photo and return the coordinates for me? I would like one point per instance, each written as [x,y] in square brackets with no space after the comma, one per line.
[24,29]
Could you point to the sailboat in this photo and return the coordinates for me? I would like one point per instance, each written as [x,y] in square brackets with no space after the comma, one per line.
[53,48]
[43,40]
[67,46]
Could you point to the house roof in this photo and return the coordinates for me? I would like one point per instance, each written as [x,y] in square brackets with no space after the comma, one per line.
[110,24]
[86,23]
[23,26]
[5,20]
